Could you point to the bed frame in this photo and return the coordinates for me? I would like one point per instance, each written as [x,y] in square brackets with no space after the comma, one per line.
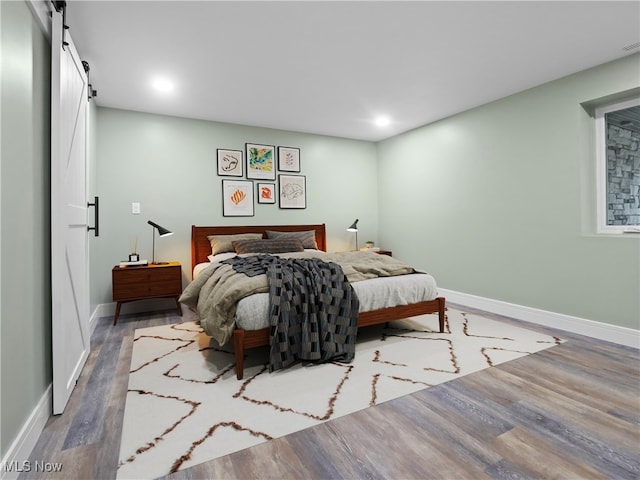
[242,339]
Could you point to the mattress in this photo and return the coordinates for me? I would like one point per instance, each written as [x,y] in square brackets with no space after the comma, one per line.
[374,294]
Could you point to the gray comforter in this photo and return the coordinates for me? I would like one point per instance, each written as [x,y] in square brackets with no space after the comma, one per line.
[215,292]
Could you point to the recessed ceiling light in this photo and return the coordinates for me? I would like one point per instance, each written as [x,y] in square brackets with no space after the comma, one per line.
[382,121]
[162,85]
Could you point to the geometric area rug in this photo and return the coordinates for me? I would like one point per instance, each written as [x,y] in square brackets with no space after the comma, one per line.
[185,406]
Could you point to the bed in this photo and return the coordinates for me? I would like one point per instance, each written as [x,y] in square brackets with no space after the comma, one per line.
[244,338]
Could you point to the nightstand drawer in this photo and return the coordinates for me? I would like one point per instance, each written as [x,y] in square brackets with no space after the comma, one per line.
[131,275]
[130,283]
[165,287]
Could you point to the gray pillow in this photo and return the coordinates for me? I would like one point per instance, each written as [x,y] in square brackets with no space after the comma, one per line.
[224,243]
[276,245]
[308,237]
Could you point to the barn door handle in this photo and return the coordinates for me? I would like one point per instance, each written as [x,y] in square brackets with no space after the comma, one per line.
[95,216]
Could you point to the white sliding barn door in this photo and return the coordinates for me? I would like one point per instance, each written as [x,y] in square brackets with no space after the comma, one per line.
[69,237]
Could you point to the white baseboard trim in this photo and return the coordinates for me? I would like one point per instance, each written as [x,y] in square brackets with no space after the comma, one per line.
[142,306]
[590,328]
[16,458]
[101,310]
[93,320]
[582,326]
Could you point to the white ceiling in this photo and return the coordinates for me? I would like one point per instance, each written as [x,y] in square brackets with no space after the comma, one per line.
[331,67]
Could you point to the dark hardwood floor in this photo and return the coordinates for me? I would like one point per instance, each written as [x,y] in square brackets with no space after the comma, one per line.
[571,411]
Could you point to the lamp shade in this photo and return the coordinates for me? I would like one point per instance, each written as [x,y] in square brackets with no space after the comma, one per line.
[353,227]
[163,232]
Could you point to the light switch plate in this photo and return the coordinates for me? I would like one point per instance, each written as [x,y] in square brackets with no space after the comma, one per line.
[135,208]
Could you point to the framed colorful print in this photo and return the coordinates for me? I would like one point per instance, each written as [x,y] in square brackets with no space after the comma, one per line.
[230,163]
[288,159]
[237,198]
[261,161]
[293,191]
[266,193]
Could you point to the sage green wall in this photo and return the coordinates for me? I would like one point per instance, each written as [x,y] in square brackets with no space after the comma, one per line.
[25,285]
[498,201]
[168,164]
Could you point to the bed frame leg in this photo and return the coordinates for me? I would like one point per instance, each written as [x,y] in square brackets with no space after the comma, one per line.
[238,347]
[441,316]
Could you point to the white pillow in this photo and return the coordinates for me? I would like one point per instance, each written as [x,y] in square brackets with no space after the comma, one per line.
[221,256]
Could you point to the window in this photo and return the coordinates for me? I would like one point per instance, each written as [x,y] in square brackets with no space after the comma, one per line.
[618,164]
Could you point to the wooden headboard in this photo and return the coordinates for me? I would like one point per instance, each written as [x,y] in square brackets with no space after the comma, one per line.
[201,247]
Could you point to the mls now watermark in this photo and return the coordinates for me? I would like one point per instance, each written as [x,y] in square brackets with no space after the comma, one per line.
[29,466]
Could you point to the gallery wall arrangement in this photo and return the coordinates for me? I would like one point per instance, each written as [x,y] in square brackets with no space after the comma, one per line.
[276,172]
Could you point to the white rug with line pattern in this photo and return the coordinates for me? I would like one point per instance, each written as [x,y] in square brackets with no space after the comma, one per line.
[185,406]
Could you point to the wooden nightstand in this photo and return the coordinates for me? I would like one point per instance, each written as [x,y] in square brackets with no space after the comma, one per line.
[148,281]
[384,252]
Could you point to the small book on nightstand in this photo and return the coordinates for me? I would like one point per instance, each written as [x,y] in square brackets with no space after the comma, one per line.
[134,264]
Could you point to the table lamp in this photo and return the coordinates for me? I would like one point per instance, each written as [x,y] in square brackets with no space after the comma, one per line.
[163,232]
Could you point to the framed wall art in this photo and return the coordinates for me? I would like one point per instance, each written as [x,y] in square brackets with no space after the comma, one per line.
[288,159]
[230,162]
[237,198]
[293,191]
[261,161]
[266,192]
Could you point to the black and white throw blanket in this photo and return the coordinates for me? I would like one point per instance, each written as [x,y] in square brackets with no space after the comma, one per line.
[313,310]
